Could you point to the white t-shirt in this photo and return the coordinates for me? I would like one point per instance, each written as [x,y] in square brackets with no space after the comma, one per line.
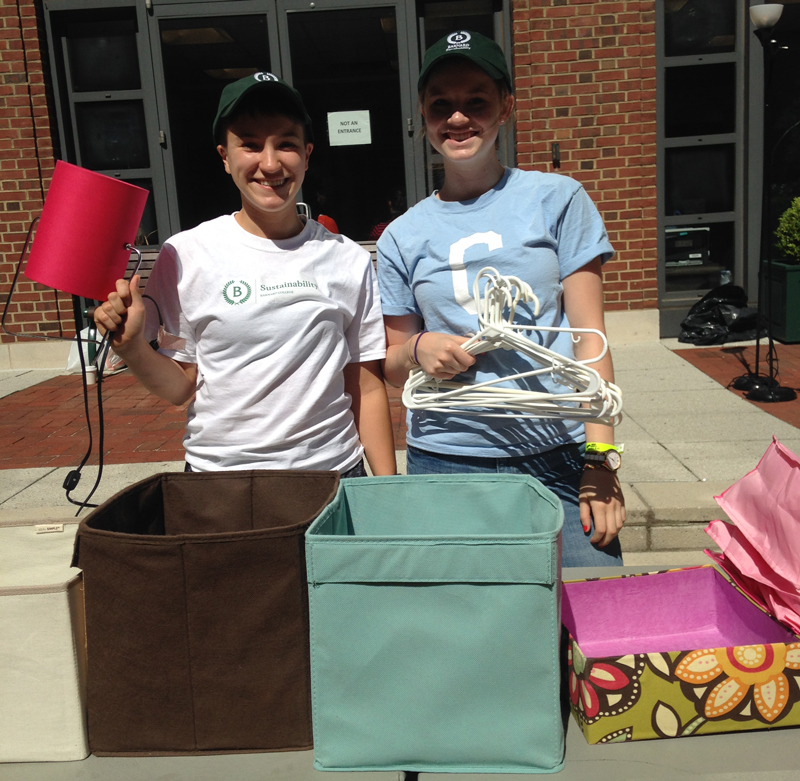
[271,326]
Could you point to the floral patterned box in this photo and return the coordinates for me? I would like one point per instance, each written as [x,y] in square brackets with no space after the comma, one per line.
[676,653]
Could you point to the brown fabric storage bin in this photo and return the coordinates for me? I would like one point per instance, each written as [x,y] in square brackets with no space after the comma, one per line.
[197,613]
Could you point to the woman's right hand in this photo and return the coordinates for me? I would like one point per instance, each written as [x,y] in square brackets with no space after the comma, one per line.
[123,314]
[438,354]
[441,355]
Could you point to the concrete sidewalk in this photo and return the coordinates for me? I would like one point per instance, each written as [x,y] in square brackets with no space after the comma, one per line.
[686,440]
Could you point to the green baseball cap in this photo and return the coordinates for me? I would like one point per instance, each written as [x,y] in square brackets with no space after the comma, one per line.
[269,83]
[483,51]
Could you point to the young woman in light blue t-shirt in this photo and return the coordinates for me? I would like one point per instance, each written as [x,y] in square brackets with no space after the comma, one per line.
[540,227]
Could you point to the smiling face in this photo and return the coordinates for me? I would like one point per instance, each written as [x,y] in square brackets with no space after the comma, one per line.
[463,109]
[267,157]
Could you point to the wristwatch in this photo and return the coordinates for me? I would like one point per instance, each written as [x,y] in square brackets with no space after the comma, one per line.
[598,454]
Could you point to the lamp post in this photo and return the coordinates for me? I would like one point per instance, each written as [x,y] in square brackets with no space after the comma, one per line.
[759,388]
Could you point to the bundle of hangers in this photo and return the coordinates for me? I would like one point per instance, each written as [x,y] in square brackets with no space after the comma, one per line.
[589,396]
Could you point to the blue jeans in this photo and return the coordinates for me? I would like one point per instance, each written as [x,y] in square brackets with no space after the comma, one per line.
[559,470]
[357,471]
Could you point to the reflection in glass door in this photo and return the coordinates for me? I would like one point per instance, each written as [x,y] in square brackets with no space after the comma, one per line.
[701,163]
[199,55]
[437,19]
[352,68]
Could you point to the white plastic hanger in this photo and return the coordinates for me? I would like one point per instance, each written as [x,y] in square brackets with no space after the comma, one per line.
[589,398]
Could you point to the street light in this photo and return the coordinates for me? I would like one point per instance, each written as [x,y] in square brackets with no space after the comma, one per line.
[759,388]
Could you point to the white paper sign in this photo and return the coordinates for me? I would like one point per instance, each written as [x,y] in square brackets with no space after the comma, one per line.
[348,128]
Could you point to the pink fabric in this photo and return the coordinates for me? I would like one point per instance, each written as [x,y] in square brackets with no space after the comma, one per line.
[747,569]
[761,549]
[683,609]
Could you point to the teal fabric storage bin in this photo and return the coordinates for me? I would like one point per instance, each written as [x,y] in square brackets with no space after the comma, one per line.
[434,607]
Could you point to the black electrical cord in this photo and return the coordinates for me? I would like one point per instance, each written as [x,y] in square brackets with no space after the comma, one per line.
[73,477]
[14,287]
[154,342]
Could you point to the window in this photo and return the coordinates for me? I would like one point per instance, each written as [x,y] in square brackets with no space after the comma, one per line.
[699,27]
[700,100]
[106,118]
[783,129]
[701,127]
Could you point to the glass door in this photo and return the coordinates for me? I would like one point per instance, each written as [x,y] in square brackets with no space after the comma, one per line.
[197,50]
[437,19]
[353,67]
[700,153]
[103,84]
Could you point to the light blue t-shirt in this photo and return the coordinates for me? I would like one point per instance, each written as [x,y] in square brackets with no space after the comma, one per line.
[535,226]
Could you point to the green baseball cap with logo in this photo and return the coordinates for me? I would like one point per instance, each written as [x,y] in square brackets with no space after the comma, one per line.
[483,51]
[265,82]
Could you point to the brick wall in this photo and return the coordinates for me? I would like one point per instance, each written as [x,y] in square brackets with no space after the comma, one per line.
[26,164]
[586,79]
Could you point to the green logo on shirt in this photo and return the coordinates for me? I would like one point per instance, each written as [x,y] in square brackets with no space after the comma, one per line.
[236,292]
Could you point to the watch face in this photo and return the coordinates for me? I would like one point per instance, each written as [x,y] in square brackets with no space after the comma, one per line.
[613,460]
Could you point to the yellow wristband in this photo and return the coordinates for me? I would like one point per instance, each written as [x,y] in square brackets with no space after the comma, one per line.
[602,447]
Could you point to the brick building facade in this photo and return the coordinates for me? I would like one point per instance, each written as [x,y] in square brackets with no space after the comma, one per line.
[585,77]
[26,165]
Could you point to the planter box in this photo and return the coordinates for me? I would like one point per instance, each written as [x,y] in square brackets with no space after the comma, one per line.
[785,300]
[676,653]
[434,606]
[42,645]
[197,613]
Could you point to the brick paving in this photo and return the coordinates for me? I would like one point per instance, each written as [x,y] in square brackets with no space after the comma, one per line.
[45,426]
[725,364]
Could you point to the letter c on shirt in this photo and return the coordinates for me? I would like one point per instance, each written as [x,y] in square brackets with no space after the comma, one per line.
[461,288]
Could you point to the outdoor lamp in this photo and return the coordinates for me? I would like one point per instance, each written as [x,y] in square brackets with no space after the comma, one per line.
[765,16]
[86,231]
[760,387]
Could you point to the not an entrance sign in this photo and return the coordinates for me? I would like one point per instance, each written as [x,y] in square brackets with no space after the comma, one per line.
[349,128]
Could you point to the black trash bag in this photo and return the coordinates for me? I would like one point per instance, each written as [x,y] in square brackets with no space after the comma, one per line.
[720,316]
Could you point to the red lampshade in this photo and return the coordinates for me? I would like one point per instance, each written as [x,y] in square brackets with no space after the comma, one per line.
[87,220]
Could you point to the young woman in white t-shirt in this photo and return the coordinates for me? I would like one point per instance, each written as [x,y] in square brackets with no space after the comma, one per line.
[272,325]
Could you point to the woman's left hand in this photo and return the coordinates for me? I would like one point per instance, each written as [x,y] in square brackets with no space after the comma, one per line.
[601,501]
